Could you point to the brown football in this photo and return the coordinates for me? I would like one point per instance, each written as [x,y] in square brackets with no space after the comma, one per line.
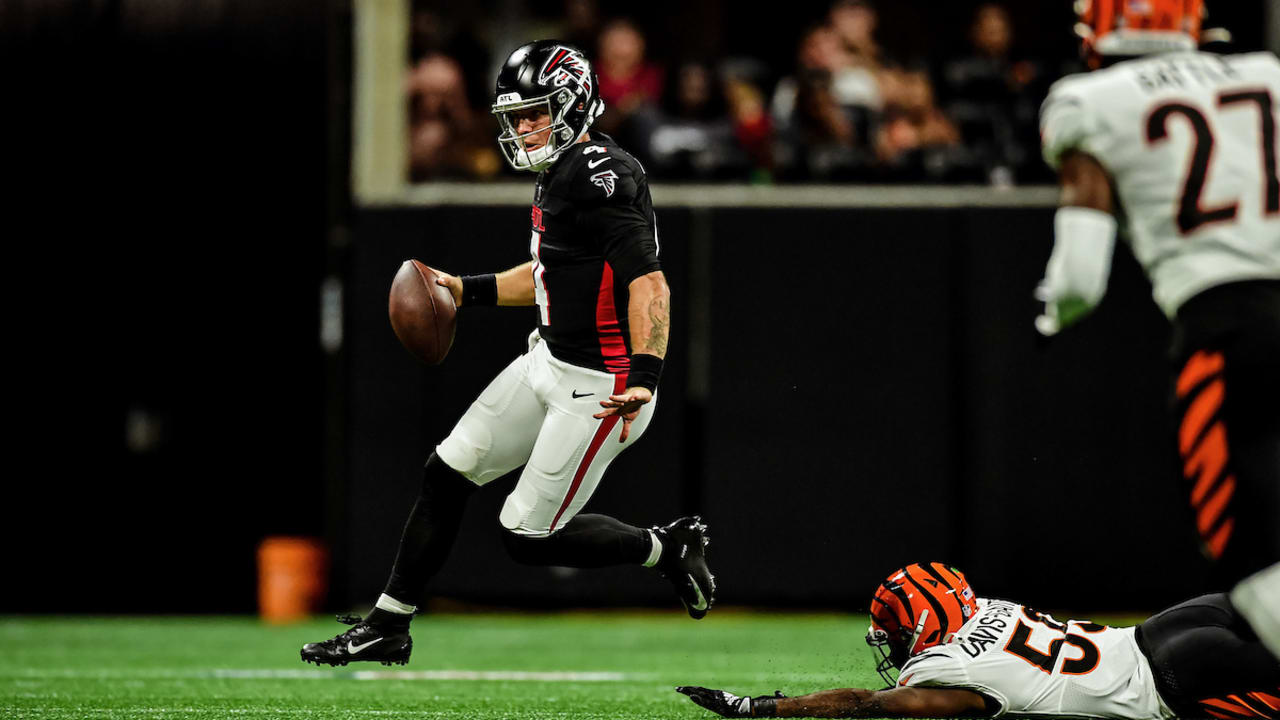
[422,313]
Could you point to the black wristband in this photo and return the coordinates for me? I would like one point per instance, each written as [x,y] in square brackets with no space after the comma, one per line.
[479,289]
[764,707]
[645,371]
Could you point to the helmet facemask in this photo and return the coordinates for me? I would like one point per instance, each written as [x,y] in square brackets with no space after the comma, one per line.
[891,654]
[546,76]
[558,105]
[888,655]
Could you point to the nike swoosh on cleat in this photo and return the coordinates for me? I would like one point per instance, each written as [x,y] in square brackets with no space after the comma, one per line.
[701,603]
[353,648]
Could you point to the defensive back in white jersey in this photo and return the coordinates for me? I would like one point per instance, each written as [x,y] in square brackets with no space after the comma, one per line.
[1034,666]
[1190,142]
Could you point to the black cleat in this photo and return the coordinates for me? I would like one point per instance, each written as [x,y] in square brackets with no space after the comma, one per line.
[684,563]
[364,642]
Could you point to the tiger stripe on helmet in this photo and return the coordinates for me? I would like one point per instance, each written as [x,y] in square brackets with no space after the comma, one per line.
[954,599]
[916,575]
[932,597]
[896,593]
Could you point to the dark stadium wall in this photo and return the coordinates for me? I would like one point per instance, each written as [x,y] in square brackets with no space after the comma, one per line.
[877,395]
[174,165]
[181,193]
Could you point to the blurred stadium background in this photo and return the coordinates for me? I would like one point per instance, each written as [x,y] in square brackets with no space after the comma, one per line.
[211,198]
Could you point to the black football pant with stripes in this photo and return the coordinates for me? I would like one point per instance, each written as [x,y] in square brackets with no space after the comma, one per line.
[1227,405]
[1208,663]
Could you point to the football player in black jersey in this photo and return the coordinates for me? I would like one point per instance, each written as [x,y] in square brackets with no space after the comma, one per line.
[586,388]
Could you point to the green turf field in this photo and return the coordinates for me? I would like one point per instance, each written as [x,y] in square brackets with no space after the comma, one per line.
[499,666]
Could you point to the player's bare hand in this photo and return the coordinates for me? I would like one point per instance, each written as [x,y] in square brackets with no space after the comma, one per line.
[453,282]
[627,405]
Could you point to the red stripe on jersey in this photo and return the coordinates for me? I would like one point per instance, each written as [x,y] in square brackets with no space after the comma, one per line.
[540,279]
[613,347]
[606,427]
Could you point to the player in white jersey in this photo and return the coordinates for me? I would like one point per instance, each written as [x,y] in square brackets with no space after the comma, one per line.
[1177,151]
[947,653]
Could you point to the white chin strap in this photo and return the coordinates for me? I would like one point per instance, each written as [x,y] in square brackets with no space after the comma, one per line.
[924,615]
[535,159]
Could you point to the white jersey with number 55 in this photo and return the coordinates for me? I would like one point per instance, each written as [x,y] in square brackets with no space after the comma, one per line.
[1035,666]
[1190,142]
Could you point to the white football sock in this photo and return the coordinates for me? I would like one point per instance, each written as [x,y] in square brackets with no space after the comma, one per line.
[1257,597]
[392,605]
[655,550]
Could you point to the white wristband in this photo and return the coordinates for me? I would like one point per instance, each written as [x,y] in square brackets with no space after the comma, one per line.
[1084,240]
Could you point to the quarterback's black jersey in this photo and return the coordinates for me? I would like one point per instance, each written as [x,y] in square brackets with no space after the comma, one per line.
[593,233]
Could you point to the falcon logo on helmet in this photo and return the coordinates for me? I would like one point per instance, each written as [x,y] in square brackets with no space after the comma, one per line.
[564,66]
[916,608]
[1137,27]
[548,78]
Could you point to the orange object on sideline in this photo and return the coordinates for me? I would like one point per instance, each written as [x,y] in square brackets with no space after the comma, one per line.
[292,578]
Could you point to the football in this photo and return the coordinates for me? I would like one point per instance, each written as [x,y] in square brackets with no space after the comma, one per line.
[422,313]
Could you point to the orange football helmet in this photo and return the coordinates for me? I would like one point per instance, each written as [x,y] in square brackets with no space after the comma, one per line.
[1137,27]
[916,608]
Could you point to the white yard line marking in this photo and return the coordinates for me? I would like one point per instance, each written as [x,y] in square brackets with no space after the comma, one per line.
[489,675]
[321,674]
[19,711]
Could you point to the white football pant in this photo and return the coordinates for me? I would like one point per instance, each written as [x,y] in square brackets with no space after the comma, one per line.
[538,413]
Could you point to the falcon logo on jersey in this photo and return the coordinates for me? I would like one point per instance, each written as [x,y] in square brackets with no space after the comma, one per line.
[564,66]
[607,180]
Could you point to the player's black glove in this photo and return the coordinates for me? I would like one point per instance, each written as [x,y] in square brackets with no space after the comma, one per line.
[726,704]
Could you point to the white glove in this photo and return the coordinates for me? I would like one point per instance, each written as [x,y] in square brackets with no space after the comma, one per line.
[1076,278]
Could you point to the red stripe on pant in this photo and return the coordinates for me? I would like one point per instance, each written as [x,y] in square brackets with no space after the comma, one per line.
[606,427]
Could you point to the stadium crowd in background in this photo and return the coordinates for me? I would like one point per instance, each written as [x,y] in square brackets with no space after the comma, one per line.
[845,111]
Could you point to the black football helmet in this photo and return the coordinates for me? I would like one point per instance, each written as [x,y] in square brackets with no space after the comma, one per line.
[554,76]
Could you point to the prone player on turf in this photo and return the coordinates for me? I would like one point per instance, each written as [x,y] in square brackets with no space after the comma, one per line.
[946,653]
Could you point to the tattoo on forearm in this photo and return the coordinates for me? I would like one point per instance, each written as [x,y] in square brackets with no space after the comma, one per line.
[659,326]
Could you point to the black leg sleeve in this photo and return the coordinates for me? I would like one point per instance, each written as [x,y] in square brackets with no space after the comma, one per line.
[1203,651]
[430,530]
[586,541]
